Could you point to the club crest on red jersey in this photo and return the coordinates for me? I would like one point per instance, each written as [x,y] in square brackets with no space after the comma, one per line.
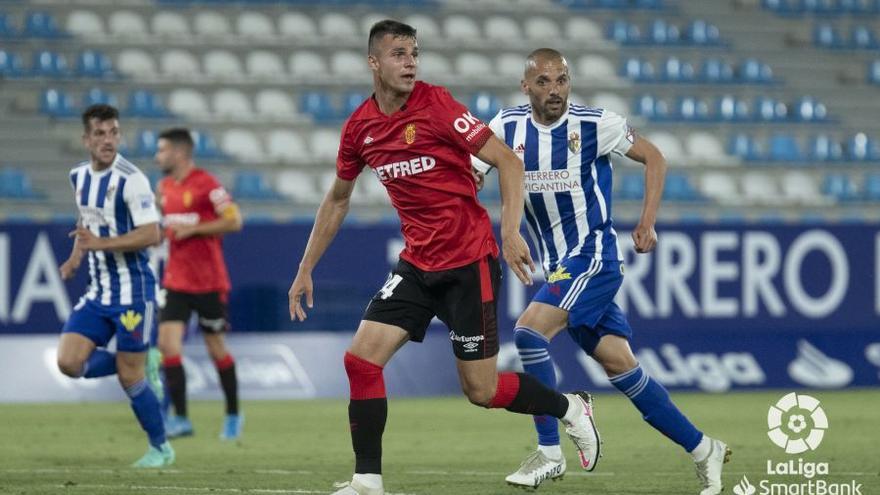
[574,142]
[409,135]
[187,199]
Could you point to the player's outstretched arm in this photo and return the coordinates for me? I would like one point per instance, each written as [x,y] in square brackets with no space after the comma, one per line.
[644,236]
[510,180]
[329,218]
[140,238]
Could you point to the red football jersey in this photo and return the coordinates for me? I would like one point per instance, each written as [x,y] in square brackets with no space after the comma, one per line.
[195,264]
[421,154]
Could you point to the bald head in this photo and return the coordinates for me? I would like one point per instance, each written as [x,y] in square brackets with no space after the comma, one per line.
[543,56]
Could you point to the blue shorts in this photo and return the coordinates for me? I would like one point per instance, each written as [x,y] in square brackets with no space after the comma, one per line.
[586,288]
[134,326]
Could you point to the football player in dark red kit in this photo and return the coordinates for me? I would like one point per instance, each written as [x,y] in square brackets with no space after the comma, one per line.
[418,140]
[197,212]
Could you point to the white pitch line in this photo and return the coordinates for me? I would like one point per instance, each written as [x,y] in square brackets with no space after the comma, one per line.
[197,489]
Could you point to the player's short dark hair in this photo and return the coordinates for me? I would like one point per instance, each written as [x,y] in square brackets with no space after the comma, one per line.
[100,111]
[178,136]
[392,27]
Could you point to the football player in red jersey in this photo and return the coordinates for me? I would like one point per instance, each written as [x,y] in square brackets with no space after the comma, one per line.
[418,140]
[197,212]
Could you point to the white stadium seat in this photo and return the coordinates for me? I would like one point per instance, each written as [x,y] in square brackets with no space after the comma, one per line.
[325,182]
[369,19]
[243,145]
[126,23]
[501,29]
[307,64]
[721,187]
[461,28]
[541,29]
[179,63]
[171,24]
[299,186]
[373,189]
[426,26]
[255,25]
[276,104]
[595,68]
[189,103]
[211,24]
[265,64]
[612,102]
[222,64]
[510,67]
[85,23]
[324,144]
[288,147]
[706,148]
[296,25]
[338,25]
[516,99]
[470,64]
[349,63]
[800,187]
[583,29]
[670,146]
[136,63]
[432,64]
[760,188]
[232,103]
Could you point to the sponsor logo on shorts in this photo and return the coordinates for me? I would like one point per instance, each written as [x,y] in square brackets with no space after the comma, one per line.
[559,275]
[470,343]
[130,320]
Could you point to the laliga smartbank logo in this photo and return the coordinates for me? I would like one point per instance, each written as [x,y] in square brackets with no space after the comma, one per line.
[796,424]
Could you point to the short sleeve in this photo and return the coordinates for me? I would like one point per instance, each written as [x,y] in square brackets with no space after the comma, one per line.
[613,134]
[463,129]
[219,196]
[498,130]
[140,200]
[348,161]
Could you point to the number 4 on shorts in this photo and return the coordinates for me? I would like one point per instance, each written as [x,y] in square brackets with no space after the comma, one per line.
[388,289]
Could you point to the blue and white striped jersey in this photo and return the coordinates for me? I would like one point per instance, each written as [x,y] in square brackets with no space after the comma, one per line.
[567,178]
[111,203]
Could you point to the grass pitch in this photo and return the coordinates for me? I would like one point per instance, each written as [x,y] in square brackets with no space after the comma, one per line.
[432,446]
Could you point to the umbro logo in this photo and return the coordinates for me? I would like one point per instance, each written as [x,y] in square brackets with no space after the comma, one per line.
[368,140]
[520,149]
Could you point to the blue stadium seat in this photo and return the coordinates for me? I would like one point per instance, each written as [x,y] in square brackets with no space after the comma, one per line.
[632,69]
[57,103]
[820,7]
[145,143]
[840,187]
[861,148]
[619,31]
[785,148]
[826,36]
[873,72]
[10,65]
[729,108]
[824,148]
[661,32]
[6,29]
[15,184]
[862,38]
[692,109]
[42,25]
[701,32]
[98,95]
[679,188]
[485,105]
[352,100]
[754,71]
[674,70]
[253,186]
[319,106]
[49,64]
[744,146]
[769,109]
[646,106]
[872,187]
[144,103]
[94,64]
[632,187]
[206,146]
[807,109]
[715,70]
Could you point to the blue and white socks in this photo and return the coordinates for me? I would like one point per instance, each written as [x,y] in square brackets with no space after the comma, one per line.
[146,408]
[533,352]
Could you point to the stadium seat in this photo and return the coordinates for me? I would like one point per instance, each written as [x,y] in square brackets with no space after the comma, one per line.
[57,103]
[188,103]
[223,64]
[611,102]
[42,25]
[49,64]
[632,69]
[515,99]
[753,71]
[254,25]
[662,33]
[145,143]
[324,144]
[349,64]
[826,36]
[824,148]
[874,72]
[367,21]
[784,147]
[297,25]
[94,64]
[265,65]
[621,31]
[541,29]
[700,32]
[205,145]
[646,106]
[319,106]
[862,38]
[801,188]
[632,187]
[298,186]
[470,65]
[729,108]
[287,147]
[85,23]
[715,70]
[720,187]
[6,29]
[705,148]
[839,187]
[15,184]
[136,63]
[306,64]
[374,191]
[872,187]
[759,188]
[145,103]
[484,105]
[179,64]
[679,188]
[232,103]
[276,104]
[692,109]
[595,68]
[351,101]
[677,71]
[243,145]
[125,23]
[860,148]
[95,96]
[11,65]
[427,25]
[744,147]
[169,24]
[434,65]
[769,109]
[251,185]
[462,28]
[211,24]
[807,109]
[337,24]
[669,145]
[509,66]
[582,29]
[502,29]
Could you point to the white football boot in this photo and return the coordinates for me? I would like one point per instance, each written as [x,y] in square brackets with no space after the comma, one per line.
[581,428]
[353,487]
[536,469]
[709,469]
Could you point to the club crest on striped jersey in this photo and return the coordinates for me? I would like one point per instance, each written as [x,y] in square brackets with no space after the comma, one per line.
[409,135]
[574,142]
[130,320]
[187,199]
[559,275]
